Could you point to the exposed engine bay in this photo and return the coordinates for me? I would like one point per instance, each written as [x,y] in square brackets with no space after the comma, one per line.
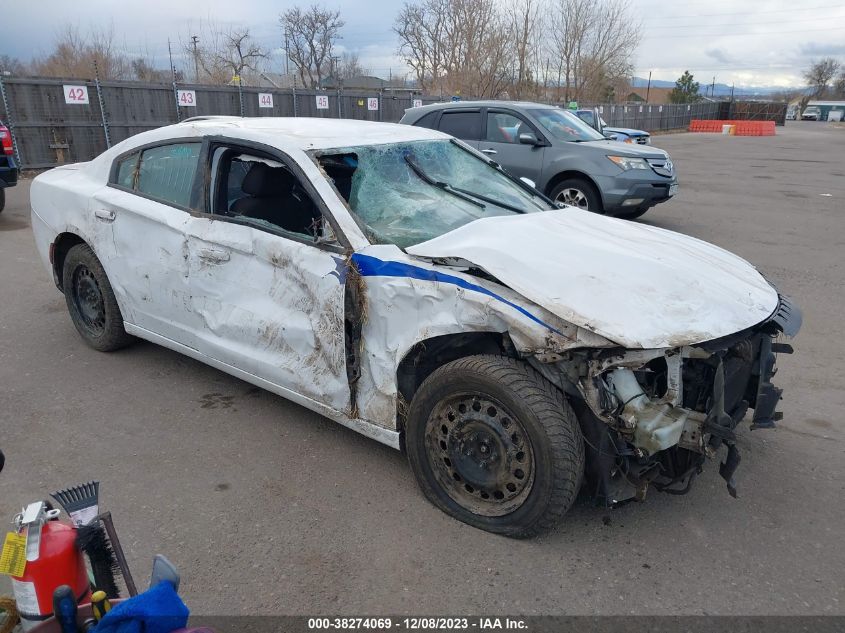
[651,418]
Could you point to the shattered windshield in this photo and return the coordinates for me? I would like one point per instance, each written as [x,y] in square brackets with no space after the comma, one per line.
[565,126]
[407,193]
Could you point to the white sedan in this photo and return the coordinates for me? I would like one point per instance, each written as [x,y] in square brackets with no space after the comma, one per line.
[400,283]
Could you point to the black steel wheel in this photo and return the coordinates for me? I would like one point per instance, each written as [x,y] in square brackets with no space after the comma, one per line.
[480,454]
[495,445]
[88,300]
[91,302]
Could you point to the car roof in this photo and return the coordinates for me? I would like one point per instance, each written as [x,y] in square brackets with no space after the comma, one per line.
[489,103]
[286,133]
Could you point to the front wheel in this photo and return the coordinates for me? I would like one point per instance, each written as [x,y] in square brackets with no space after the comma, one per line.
[577,192]
[495,445]
[91,302]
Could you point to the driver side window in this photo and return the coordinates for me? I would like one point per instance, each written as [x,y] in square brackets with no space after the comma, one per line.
[504,128]
[251,188]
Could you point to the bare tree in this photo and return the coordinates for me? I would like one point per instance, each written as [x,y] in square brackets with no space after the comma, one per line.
[240,53]
[224,55]
[12,65]
[75,54]
[421,28]
[143,70]
[839,86]
[463,46]
[310,36]
[350,66]
[820,74]
[594,41]
[525,26]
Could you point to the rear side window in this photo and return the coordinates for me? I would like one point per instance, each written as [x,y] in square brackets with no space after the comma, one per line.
[167,172]
[126,171]
[463,125]
[429,121]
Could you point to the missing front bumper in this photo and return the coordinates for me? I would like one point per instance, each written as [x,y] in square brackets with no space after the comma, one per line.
[653,418]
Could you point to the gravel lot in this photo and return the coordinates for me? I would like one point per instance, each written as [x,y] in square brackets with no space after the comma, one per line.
[253,496]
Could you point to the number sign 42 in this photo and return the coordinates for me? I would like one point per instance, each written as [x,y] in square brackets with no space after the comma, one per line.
[76,95]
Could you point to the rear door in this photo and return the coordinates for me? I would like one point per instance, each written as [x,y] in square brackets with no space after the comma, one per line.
[462,123]
[501,143]
[142,213]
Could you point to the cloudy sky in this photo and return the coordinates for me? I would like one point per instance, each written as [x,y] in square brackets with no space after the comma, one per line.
[768,46]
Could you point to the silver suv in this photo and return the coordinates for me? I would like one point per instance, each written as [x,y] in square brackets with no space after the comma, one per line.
[566,159]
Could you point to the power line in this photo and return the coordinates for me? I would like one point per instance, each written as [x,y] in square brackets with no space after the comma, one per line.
[751,13]
[744,34]
[728,24]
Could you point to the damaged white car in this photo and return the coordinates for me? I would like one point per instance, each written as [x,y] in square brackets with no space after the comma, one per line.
[397,281]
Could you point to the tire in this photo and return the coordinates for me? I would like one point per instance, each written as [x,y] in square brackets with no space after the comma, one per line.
[579,192]
[91,301]
[632,215]
[533,464]
[2,198]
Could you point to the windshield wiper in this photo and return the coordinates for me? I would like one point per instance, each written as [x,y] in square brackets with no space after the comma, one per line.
[465,194]
[504,205]
[445,186]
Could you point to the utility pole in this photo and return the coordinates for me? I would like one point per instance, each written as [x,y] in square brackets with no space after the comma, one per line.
[713,89]
[194,40]
[170,55]
[648,87]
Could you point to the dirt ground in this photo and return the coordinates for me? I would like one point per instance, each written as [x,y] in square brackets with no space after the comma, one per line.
[251,495]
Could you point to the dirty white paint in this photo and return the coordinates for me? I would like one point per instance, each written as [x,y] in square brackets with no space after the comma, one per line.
[637,285]
[270,310]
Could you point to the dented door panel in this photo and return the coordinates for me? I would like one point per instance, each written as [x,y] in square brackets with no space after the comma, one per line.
[270,306]
[149,270]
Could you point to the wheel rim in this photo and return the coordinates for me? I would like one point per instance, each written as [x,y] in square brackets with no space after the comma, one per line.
[88,299]
[573,197]
[480,454]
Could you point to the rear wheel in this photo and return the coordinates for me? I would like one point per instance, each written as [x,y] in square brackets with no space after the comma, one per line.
[91,301]
[577,192]
[495,445]
[2,198]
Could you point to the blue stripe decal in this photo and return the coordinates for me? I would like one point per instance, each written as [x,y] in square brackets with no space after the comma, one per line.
[373,267]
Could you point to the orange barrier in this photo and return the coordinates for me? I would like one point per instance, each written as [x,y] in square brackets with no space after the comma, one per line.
[743,128]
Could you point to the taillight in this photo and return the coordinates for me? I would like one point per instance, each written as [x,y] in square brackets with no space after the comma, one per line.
[6,141]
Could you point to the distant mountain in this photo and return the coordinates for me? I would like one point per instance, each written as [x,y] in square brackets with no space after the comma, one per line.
[720,89]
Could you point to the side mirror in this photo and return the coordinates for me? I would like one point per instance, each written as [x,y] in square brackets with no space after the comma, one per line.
[529,138]
[529,182]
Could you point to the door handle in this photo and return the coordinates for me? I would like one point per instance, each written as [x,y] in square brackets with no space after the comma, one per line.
[489,151]
[106,215]
[213,255]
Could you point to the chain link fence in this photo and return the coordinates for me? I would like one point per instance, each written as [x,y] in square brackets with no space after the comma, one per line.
[55,121]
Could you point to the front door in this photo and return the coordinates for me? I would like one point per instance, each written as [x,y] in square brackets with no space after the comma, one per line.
[268,278]
[501,143]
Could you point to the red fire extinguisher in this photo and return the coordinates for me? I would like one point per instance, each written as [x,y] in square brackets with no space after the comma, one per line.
[52,560]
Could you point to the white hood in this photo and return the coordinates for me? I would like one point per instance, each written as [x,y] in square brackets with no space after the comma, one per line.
[637,285]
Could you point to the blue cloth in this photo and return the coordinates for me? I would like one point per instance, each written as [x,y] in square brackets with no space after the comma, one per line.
[157,610]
